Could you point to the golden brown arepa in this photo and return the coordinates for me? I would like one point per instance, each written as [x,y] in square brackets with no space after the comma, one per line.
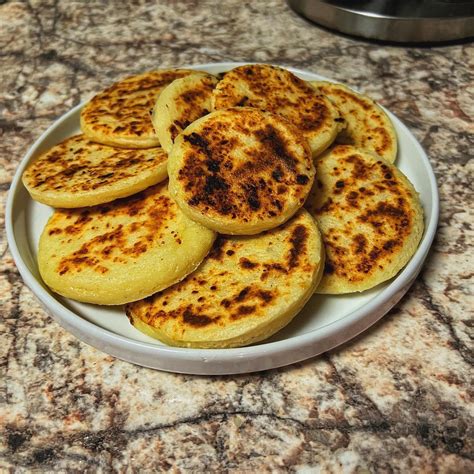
[240,170]
[121,114]
[367,125]
[121,251]
[247,289]
[370,217]
[78,172]
[277,90]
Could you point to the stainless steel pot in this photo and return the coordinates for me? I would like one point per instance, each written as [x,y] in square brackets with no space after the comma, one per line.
[398,20]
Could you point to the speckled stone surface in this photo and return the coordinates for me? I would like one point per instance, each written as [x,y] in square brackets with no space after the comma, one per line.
[396,399]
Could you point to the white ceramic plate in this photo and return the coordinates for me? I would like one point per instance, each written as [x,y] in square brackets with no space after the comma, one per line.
[324,323]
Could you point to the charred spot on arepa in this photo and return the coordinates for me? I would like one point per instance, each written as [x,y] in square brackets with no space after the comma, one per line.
[247,264]
[250,300]
[298,240]
[217,251]
[187,315]
[240,167]
[193,319]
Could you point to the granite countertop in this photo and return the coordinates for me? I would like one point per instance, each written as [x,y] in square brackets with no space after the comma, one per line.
[398,398]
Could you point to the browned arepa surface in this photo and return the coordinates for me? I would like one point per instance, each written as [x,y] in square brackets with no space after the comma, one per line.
[121,251]
[121,114]
[277,90]
[245,290]
[240,170]
[370,217]
[180,103]
[367,125]
[78,172]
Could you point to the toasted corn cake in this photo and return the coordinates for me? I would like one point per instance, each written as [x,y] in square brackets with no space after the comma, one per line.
[121,114]
[79,173]
[244,291]
[240,170]
[370,217]
[121,251]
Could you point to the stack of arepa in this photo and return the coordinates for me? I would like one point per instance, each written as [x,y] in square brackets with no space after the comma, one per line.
[213,208]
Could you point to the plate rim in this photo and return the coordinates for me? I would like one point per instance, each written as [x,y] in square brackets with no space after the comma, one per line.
[266,355]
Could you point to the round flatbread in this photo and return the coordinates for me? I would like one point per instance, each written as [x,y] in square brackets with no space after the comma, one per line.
[370,216]
[79,173]
[122,251]
[277,90]
[367,125]
[240,170]
[121,115]
[247,289]
[181,103]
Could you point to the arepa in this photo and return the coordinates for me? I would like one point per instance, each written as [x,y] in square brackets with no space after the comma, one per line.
[121,114]
[121,251]
[246,290]
[180,103]
[370,217]
[277,90]
[240,170]
[79,173]
[367,125]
